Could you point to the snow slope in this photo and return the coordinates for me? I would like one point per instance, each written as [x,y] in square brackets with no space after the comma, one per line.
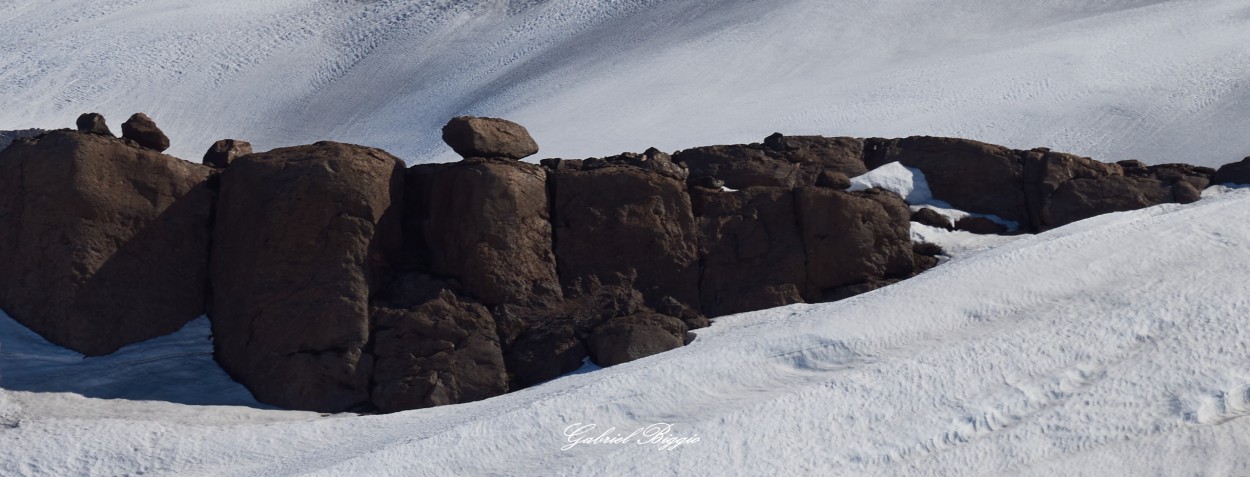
[1113,346]
[1157,80]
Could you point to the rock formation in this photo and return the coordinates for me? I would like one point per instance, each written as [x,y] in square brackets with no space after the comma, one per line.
[142,130]
[1038,189]
[751,246]
[1234,173]
[104,244]
[225,151]
[93,123]
[488,137]
[303,237]
[342,281]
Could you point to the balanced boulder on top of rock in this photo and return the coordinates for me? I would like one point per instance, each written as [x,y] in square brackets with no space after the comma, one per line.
[142,129]
[93,123]
[471,136]
[225,151]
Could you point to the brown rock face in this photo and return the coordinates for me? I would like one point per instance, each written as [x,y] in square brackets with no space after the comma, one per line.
[624,339]
[141,129]
[1233,173]
[488,225]
[752,249]
[303,236]
[488,137]
[1080,199]
[970,175]
[618,225]
[104,244]
[442,350]
[225,151]
[833,180]
[740,167]
[781,161]
[931,218]
[817,154]
[852,238]
[93,123]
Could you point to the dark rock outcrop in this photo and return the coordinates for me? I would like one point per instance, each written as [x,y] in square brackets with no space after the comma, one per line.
[433,351]
[853,238]
[620,225]
[303,237]
[1233,173]
[833,180]
[342,281]
[104,244]
[93,123]
[225,151]
[781,161]
[472,136]
[931,218]
[751,248]
[632,337]
[487,224]
[1038,189]
[142,130]
[970,175]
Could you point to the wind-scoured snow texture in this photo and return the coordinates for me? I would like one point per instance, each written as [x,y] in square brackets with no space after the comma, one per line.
[1113,346]
[1160,81]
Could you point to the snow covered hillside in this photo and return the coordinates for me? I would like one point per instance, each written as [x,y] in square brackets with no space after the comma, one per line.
[1112,346]
[1160,81]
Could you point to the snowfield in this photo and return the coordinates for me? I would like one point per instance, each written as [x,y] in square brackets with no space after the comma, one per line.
[1160,81]
[1112,346]
[1117,345]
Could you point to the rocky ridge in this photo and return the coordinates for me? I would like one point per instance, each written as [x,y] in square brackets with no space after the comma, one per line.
[338,279]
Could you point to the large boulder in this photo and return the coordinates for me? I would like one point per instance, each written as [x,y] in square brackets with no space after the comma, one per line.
[1080,199]
[472,136]
[970,175]
[104,244]
[142,130]
[627,338]
[853,238]
[303,237]
[751,248]
[434,350]
[93,123]
[225,151]
[488,225]
[1233,173]
[621,225]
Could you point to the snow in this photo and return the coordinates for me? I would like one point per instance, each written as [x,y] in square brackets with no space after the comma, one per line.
[1111,346]
[908,182]
[1160,81]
